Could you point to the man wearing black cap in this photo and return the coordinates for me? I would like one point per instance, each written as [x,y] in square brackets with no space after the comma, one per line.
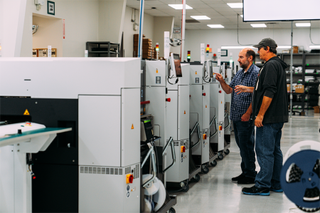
[270,110]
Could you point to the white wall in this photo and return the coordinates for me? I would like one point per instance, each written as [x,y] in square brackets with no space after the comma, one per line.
[129,32]
[1,25]
[111,15]
[12,22]
[81,21]
[161,24]
[220,37]
[49,33]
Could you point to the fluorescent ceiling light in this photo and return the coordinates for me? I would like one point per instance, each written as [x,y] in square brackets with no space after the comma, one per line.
[215,25]
[236,47]
[235,5]
[179,6]
[303,24]
[200,17]
[258,25]
[314,47]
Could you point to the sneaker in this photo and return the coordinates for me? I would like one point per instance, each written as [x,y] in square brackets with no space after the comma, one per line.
[256,191]
[276,189]
[238,177]
[246,180]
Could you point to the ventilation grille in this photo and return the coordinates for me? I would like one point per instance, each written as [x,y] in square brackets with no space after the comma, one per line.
[135,171]
[100,170]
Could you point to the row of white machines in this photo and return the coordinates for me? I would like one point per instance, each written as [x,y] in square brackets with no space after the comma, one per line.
[96,165]
[191,110]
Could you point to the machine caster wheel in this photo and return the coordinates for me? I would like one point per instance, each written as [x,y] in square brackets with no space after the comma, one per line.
[213,163]
[196,178]
[227,151]
[220,156]
[172,210]
[185,188]
[204,169]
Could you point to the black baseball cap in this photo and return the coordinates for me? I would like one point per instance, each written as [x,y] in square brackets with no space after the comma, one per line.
[266,42]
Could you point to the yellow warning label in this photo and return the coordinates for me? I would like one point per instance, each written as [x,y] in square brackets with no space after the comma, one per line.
[185,112]
[26,112]
[196,73]
[157,71]
[132,127]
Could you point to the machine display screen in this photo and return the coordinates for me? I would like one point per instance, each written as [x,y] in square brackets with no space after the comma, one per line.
[177,65]
[284,10]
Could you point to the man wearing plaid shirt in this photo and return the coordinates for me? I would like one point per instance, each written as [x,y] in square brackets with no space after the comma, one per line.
[241,113]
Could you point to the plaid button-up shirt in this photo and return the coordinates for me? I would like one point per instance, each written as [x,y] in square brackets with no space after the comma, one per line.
[240,103]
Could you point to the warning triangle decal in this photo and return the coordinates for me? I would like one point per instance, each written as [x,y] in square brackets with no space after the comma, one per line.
[26,112]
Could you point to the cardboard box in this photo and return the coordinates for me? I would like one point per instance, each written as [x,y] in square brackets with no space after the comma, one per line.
[296,89]
[299,88]
[316,109]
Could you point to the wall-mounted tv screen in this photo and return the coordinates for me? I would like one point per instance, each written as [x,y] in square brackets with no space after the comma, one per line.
[281,10]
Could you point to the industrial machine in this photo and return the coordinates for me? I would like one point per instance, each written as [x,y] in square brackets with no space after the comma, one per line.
[96,166]
[178,126]
[166,89]
[200,78]
[154,197]
[217,115]
[300,175]
[17,144]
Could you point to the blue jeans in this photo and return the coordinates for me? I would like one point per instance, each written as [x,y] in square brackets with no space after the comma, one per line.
[243,132]
[269,155]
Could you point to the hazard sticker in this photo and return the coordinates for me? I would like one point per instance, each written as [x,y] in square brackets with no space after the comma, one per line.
[26,112]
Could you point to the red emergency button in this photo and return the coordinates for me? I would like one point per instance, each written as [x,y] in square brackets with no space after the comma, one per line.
[220,128]
[219,91]
[183,149]
[204,136]
[168,99]
[204,94]
[129,178]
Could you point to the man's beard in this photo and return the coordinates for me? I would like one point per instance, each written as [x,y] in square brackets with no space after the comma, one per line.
[244,66]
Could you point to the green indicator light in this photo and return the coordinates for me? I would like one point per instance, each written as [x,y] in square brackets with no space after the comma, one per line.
[307,64]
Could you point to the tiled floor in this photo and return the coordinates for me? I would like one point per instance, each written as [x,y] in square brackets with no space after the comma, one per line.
[216,193]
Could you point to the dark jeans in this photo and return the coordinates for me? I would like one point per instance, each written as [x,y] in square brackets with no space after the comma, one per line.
[243,132]
[269,155]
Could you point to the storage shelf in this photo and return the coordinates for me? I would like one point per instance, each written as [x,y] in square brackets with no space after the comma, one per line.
[312,74]
[306,61]
[311,83]
[312,65]
[102,49]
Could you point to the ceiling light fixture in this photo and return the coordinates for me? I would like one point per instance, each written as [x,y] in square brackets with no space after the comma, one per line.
[303,24]
[179,6]
[258,25]
[235,5]
[314,47]
[200,17]
[215,25]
